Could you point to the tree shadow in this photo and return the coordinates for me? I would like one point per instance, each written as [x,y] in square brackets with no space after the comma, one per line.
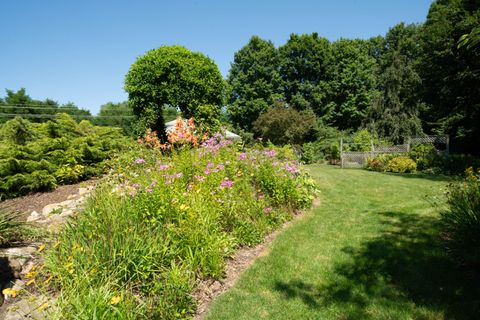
[420,175]
[404,268]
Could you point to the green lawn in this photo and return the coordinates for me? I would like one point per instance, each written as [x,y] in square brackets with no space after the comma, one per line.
[370,251]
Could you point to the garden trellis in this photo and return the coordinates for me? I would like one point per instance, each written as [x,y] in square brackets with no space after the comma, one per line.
[356,159]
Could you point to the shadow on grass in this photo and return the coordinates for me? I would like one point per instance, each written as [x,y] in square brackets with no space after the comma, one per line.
[403,271]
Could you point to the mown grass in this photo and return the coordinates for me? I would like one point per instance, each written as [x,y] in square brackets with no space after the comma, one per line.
[372,250]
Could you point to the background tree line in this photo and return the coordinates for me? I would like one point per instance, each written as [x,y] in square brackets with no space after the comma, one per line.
[416,79]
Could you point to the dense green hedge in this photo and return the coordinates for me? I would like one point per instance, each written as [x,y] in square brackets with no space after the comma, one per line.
[39,156]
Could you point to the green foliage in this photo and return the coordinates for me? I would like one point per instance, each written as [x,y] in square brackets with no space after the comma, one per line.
[254,82]
[284,125]
[351,85]
[176,77]
[451,75]
[116,115]
[51,153]
[401,164]
[304,60]
[326,146]
[20,103]
[394,113]
[425,155]
[158,224]
[462,219]
[11,228]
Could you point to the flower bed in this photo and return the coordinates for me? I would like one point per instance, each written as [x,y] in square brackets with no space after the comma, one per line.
[158,223]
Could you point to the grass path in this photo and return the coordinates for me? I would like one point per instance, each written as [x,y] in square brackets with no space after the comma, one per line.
[370,251]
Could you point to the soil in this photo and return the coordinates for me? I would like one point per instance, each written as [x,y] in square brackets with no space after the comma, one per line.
[209,289]
[36,201]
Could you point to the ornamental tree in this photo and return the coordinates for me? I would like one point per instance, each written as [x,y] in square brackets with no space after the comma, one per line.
[172,76]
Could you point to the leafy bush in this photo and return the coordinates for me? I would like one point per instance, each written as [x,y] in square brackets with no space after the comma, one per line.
[284,125]
[462,219]
[401,164]
[158,223]
[38,157]
[375,164]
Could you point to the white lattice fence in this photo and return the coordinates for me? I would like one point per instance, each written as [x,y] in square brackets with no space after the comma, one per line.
[357,159]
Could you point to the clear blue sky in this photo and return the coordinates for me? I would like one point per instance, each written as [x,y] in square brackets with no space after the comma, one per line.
[80,51]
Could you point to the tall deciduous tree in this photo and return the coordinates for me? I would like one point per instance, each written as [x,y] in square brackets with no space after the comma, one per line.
[254,82]
[395,112]
[351,84]
[172,76]
[450,74]
[303,68]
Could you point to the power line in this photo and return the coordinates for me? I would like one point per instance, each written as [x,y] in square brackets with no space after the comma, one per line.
[41,108]
[54,116]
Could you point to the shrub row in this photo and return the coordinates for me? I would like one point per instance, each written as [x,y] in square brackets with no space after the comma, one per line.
[38,157]
[157,224]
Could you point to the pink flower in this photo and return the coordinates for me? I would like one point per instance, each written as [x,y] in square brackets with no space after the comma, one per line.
[267,210]
[271,153]
[210,165]
[207,171]
[140,161]
[226,183]
[242,156]
[164,167]
[149,190]
[199,178]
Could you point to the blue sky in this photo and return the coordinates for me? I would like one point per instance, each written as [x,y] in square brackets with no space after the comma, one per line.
[80,51]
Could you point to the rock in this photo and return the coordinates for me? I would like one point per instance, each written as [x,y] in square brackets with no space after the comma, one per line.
[66,213]
[66,203]
[18,252]
[47,210]
[34,216]
[56,220]
[30,308]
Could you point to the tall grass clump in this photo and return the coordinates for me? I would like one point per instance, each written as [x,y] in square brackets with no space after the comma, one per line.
[160,221]
[11,229]
[462,219]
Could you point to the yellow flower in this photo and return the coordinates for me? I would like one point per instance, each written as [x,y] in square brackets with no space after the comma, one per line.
[57,244]
[29,282]
[10,292]
[43,306]
[40,249]
[48,280]
[93,271]
[115,300]
[184,207]
[31,274]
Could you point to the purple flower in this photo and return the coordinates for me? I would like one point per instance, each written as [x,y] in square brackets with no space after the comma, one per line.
[149,190]
[291,168]
[164,166]
[135,185]
[210,165]
[220,167]
[199,178]
[267,210]
[207,171]
[271,153]
[242,156]
[140,161]
[226,183]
